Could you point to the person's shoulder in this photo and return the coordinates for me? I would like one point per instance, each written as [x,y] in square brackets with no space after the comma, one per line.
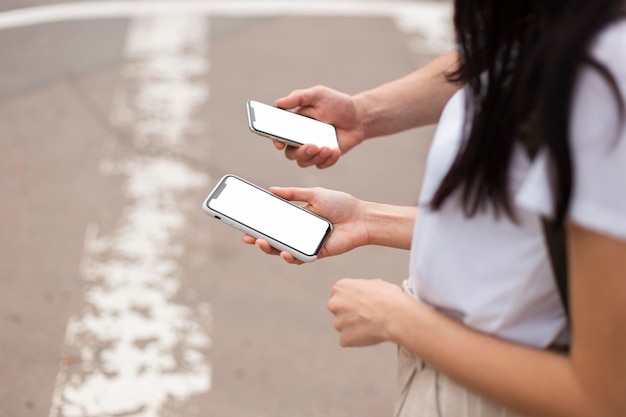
[610,44]
[609,50]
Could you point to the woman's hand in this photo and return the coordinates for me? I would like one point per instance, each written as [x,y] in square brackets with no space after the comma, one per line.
[364,309]
[344,211]
[329,106]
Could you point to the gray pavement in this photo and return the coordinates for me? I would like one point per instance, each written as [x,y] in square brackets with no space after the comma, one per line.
[118,296]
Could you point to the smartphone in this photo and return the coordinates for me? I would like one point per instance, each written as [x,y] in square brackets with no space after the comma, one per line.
[259,213]
[289,127]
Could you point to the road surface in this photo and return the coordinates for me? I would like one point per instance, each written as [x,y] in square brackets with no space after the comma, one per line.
[118,296]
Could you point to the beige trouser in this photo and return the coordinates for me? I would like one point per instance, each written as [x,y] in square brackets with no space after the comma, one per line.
[425,392]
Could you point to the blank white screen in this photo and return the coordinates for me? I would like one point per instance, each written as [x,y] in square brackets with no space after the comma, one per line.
[270,215]
[291,126]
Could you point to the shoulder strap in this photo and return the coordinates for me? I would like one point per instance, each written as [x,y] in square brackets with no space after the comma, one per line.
[554,234]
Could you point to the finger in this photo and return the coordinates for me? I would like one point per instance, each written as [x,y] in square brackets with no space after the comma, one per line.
[248,240]
[342,285]
[345,339]
[302,153]
[293,193]
[290,259]
[265,247]
[310,111]
[279,145]
[297,98]
[330,160]
[335,303]
[290,101]
[321,157]
[332,306]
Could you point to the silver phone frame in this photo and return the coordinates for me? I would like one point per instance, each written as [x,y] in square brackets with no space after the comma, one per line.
[288,141]
[226,219]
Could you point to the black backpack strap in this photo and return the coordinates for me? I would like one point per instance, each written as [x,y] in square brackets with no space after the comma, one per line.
[554,236]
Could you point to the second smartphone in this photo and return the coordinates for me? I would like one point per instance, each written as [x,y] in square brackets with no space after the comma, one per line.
[259,213]
[288,127]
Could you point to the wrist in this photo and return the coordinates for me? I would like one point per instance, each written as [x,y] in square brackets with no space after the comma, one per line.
[410,317]
[388,225]
[367,114]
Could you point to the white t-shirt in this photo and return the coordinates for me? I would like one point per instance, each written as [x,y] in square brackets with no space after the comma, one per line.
[495,275]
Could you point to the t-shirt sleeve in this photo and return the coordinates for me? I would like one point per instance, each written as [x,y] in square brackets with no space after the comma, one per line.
[598,146]
[598,136]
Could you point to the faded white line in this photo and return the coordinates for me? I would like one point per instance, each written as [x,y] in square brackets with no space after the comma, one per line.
[431,21]
[135,350]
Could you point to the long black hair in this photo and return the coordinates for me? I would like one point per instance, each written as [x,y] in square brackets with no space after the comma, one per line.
[520,61]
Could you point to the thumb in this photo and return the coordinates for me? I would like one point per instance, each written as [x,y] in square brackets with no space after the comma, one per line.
[297,99]
[304,195]
[291,101]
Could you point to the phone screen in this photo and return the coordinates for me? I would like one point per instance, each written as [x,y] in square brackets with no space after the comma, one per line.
[295,129]
[269,215]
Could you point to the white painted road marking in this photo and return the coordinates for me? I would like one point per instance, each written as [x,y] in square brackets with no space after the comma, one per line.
[137,349]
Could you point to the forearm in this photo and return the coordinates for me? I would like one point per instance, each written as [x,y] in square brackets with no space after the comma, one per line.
[389,225]
[534,382]
[414,100]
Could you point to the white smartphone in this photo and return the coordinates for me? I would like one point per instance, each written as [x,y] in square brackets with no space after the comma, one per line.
[289,127]
[259,213]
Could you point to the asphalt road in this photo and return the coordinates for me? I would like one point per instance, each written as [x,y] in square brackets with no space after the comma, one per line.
[118,296]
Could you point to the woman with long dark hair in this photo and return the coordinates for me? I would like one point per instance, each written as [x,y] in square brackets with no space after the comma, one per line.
[531,137]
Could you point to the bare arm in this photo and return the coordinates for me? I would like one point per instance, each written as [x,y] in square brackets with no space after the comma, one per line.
[390,226]
[591,381]
[414,100]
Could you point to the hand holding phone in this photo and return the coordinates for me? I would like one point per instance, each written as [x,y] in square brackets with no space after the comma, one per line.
[263,215]
[349,216]
[288,127]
